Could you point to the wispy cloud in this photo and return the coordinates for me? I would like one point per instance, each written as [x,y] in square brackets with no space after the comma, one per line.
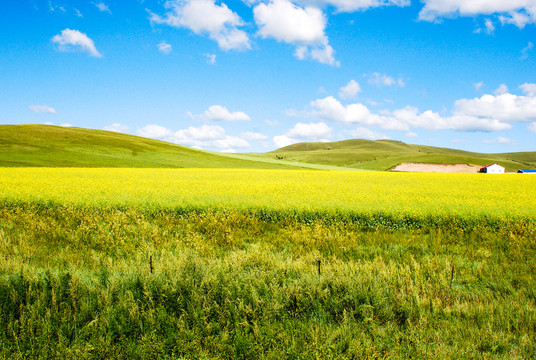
[526,50]
[103,7]
[164,47]
[42,109]
[379,80]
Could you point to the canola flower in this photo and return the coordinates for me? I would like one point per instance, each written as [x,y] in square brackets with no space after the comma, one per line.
[418,195]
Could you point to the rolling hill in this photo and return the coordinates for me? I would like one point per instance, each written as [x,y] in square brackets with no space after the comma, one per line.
[385,154]
[54,146]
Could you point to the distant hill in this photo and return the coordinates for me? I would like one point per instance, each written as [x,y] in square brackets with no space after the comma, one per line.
[385,154]
[54,146]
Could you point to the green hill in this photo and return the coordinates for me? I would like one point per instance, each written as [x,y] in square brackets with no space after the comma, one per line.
[385,154]
[54,146]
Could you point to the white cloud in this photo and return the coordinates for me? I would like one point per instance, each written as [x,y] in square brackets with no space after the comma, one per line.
[66,125]
[164,47]
[504,107]
[229,151]
[72,40]
[116,127]
[102,7]
[487,113]
[42,109]
[502,89]
[350,91]
[385,80]
[489,27]
[78,13]
[355,5]
[155,132]
[313,131]
[500,140]
[529,89]
[303,27]
[253,136]
[517,12]
[532,127]
[411,134]
[283,140]
[303,132]
[206,136]
[220,113]
[211,58]
[364,133]
[526,50]
[207,18]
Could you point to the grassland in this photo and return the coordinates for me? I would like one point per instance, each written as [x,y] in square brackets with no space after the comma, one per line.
[55,146]
[385,154]
[243,264]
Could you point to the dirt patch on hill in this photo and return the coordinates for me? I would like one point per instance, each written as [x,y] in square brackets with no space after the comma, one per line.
[443,168]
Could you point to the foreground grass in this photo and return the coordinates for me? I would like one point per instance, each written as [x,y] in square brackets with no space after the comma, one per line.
[79,282]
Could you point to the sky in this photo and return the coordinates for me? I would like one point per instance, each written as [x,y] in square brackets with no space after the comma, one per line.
[256,75]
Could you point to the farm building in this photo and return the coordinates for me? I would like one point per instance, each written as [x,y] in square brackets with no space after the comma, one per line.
[492,169]
[526,171]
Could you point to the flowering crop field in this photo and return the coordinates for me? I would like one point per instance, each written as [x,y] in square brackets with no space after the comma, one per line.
[320,193]
[266,264]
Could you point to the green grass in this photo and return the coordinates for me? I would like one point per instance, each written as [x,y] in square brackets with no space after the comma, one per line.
[80,283]
[385,154]
[54,146]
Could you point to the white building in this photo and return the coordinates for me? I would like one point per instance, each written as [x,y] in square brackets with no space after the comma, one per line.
[492,169]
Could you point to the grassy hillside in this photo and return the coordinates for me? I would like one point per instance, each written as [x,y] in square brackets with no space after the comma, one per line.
[53,146]
[384,154]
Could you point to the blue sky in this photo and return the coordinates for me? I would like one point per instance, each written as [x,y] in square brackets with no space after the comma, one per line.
[252,76]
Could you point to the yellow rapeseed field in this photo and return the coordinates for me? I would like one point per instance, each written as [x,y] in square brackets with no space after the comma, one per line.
[395,194]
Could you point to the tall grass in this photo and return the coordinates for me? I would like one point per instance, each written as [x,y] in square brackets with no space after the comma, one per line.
[88,282]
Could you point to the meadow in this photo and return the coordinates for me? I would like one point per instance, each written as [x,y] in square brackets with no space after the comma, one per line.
[243,264]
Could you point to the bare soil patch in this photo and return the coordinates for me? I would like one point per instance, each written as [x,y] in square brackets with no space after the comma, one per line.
[442,168]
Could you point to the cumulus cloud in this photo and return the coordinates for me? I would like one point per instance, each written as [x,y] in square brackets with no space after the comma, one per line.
[532,127]
[517,12]
[221,113]
[204,17]
[102,7]
[155,132]
[45,109]
[164,47]
[528,89]
[385,80]
[502,89]
[486,113]
[304,132]
[116,127]
[74,40]
[350,91]
[365,133]
[206,136]
[303,27]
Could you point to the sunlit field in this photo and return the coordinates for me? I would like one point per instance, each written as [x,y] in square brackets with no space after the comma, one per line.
[247,264]
[321,193]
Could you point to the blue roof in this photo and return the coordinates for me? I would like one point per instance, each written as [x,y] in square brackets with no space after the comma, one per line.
[527,171]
